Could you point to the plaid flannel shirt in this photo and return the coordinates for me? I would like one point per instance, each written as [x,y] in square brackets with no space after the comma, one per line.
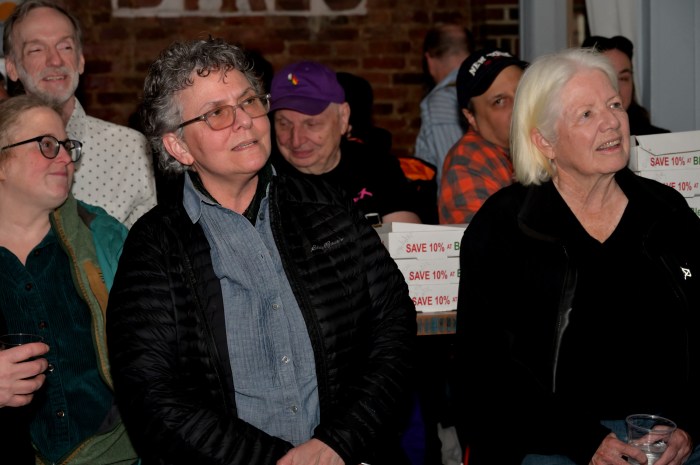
[474,169]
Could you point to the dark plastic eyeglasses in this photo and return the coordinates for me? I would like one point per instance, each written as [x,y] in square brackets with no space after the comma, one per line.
[50,146]
[224,117]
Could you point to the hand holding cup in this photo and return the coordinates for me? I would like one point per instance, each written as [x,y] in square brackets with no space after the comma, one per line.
[21,372]
[649,433]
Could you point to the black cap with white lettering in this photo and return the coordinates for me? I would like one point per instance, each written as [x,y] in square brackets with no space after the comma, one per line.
[478,71]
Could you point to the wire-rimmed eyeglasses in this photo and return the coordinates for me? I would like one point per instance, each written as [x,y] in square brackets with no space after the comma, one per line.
[50,146]
[223,117]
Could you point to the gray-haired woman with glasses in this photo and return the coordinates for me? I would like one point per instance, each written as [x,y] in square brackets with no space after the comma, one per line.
[255,319]
[57,260]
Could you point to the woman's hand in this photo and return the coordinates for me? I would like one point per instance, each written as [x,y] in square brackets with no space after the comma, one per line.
[312,452]
[679,449]
[612,451]
[20,377]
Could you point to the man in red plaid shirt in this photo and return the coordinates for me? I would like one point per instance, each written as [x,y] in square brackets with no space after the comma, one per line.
[479,163]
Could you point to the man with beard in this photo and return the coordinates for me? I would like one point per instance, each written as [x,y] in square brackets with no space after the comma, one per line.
[43,50]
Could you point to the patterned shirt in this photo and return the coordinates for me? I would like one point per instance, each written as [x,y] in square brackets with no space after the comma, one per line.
[441,123]
[474,169]
[116,169]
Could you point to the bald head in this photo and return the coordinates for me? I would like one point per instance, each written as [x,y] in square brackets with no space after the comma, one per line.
[445,46]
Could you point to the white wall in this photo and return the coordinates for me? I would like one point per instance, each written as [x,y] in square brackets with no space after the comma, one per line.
[542,27]
[674,64]
[667,48]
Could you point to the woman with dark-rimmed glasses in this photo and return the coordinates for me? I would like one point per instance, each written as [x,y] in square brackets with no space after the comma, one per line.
[57,260]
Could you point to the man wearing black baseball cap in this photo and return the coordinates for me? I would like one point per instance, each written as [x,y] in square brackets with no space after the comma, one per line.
[479,163]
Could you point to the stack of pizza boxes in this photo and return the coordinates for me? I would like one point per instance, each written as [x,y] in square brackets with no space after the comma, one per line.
[673,159]
[428,257]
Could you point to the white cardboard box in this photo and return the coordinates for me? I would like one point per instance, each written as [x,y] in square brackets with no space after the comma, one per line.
[429,271]
[434,297]
[417,227]
[694,203]
[672,151]
[687,182]
[424,241]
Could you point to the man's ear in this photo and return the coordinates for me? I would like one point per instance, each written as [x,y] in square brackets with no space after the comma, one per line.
[11,69]
[542,144]
[81,63]
[344,112]
[430,64]
[177,148]
[470,119]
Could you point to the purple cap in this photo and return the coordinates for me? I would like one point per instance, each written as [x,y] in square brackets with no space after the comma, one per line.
[306,86]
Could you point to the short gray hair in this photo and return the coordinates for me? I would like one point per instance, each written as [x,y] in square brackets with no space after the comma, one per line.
[172,72]
[20,13]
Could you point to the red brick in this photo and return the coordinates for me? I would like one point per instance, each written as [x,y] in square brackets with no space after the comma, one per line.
[384,46]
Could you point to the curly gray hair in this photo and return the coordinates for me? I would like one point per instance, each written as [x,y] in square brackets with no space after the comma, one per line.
[172,72]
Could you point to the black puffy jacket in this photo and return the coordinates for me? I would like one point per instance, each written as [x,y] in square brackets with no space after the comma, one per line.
[167,340]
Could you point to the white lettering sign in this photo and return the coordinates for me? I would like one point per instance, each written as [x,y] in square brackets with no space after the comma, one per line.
[176,8]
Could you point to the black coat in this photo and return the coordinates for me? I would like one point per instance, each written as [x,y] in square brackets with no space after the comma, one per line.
[525,298]
[15,439]
[167,339]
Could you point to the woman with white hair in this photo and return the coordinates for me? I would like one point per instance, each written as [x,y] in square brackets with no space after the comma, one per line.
[578,301]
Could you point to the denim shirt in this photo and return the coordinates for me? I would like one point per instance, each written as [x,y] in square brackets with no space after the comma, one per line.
[272,360]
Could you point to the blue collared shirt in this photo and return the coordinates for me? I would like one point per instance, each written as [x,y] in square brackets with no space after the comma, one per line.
[272,360]
[441,123]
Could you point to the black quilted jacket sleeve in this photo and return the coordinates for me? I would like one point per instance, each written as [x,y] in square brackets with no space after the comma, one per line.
[361,320]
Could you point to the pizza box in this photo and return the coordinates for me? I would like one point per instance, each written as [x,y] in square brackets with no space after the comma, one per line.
[429,271]
[434,297]
[421,241]
[671,151]
[687,182]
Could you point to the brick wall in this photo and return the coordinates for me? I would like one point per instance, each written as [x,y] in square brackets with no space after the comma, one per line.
[384,46]
[496,23]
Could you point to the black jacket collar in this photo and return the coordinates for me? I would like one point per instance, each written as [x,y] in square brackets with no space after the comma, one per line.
[545,215]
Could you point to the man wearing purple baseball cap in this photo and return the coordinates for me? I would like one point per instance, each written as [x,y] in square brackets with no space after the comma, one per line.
[311,118]
[479,163]
[307,87]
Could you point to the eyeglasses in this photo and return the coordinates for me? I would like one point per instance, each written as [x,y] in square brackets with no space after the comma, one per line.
[49,146]
[224,117]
